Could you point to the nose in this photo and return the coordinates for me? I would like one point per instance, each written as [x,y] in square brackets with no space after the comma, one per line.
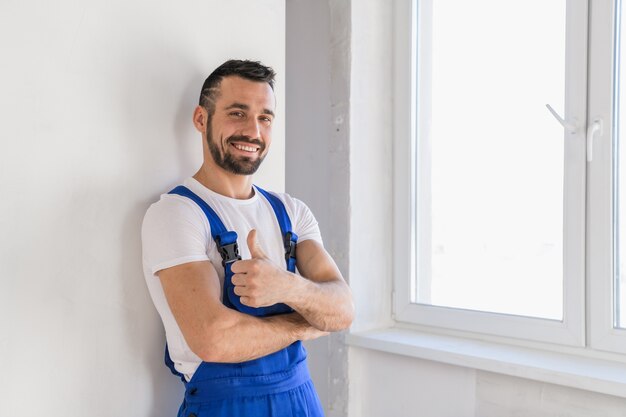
[252,129]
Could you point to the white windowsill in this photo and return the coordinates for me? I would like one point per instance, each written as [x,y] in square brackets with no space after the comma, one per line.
[591,374]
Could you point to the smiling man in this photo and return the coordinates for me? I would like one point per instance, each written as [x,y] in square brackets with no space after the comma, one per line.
[220,258]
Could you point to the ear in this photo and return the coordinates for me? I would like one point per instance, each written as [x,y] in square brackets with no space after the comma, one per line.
[200,119]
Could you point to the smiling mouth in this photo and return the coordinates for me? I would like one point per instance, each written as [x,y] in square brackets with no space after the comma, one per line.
[245,148]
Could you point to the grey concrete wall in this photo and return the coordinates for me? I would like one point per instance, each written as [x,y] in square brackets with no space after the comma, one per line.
[317,128]
[307,127]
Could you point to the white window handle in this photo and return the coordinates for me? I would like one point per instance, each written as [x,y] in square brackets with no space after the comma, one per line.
[571,128]
[593,129]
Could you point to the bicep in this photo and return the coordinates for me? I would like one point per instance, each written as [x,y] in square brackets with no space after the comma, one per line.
[192,291]
[315,264]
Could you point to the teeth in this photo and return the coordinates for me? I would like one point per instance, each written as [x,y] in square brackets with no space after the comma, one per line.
[245,148]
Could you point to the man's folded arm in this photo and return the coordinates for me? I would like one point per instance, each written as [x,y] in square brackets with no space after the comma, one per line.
[216,333]
[321,295]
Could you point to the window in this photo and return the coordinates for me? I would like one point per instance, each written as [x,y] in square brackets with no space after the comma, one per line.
[502,226]
[481,119]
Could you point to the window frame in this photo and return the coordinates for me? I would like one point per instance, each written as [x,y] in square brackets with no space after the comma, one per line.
[603,75]
[570,331]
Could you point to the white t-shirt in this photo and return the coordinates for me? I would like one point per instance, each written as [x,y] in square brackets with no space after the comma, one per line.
[176,231]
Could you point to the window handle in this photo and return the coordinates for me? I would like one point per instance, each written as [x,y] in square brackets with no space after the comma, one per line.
[593,129]
[571,128]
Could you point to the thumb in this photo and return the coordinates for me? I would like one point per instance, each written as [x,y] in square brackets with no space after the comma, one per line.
[254,246]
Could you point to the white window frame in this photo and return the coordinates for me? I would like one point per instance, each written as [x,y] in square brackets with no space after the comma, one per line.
[600,248]
[571,330]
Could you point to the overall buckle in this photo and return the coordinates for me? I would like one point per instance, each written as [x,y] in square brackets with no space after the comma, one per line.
[228,252]
[290,246]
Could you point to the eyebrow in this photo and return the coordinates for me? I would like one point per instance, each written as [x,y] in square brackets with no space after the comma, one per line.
[246,107]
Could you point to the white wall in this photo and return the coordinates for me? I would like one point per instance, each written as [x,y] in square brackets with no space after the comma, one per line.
[505,396]
[371,170]
[388,385]
[95,123]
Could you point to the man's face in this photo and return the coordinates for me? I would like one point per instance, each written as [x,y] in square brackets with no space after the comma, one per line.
[240,131]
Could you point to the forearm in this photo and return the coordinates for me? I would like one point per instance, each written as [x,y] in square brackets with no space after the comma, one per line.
[239,337]
[319,294]
[327,306]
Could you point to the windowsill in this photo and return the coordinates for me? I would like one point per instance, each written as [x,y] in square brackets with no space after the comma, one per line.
[590,374]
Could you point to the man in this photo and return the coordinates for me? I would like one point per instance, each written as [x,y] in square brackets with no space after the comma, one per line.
[234,327]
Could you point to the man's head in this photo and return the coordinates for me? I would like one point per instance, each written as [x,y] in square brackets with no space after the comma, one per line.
[249,70]
[237,109]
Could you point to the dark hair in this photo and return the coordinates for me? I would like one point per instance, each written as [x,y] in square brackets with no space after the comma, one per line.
[250,70]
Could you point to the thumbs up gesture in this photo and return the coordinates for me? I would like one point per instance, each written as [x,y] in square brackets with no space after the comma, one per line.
[256,251]
[258,281]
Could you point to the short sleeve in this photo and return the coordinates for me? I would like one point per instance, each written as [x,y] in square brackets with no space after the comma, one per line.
[306,226]
[174,232]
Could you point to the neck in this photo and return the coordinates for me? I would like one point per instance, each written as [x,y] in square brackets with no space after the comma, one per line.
[223,182]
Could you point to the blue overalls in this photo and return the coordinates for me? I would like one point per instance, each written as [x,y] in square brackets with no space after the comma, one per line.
[274,385]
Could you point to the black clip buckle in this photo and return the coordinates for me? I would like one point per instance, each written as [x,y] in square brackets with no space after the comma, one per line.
[229,253]
[290,246]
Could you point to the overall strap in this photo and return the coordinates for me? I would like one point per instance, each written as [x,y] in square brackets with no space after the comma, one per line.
[217,227]
[290,239]
[225,240]
[170,364]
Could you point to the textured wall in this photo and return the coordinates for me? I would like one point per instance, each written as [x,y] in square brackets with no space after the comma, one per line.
[318,158]
[388,385]
[505,396]
[308,132]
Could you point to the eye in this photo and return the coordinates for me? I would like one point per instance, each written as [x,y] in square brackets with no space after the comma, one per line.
[266,119]
[236,114]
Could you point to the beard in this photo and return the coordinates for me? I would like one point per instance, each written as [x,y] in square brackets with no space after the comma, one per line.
[227,161]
